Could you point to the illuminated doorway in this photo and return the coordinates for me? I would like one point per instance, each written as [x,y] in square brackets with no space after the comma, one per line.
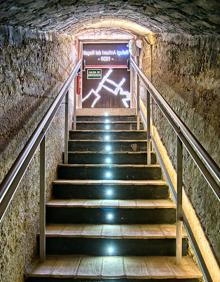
[106,75]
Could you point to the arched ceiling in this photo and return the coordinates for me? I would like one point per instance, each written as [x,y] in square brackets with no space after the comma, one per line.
[183,16]
[110,23]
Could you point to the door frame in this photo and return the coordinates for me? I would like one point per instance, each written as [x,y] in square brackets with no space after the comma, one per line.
[80,56]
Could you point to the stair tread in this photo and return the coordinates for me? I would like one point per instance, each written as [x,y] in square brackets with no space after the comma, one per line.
[109,141]
[117,231]
[108,153]
[85,203]
[104,122]
[112,182]
[111,165]
[116,267]
[109,130]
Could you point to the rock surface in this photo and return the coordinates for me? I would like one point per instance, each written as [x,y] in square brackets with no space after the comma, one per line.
[186,72]
[194,17]
[33,66]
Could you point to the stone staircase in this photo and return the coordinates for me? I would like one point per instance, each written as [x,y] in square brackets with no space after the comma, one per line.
[111,217]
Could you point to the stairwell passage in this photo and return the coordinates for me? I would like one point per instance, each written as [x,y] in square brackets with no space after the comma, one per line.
[110,217]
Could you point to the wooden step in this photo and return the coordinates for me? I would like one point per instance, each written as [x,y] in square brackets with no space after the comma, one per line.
[110,189]
[129,268]
[90,157]
[111,125]
[107,135]
[90,239]
[114,171]
[111,118]
[132,231]
[107,146]
[111,211]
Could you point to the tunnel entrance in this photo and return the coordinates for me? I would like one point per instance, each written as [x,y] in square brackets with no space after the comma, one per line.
[106,75]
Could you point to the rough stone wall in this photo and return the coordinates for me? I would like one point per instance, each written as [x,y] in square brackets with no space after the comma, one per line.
[33,66]
[201,16]
[186,71]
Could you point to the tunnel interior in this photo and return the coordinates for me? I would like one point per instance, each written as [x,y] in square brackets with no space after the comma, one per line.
[39,45]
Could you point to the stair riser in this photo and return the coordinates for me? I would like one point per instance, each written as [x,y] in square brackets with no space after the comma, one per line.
[99,246]
[102,126]
[103,118]
[102,146]
[99,215]
[100,158]
[117,173]
[61,279]
[103,135]
[66,191]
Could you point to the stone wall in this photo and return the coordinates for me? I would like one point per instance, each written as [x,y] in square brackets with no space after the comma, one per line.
[194,17]
[185,69]
[33,66]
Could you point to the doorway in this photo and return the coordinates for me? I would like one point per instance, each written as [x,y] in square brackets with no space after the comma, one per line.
[106,75]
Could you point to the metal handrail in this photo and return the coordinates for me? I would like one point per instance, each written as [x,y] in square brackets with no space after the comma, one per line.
[205,163]
[11,181]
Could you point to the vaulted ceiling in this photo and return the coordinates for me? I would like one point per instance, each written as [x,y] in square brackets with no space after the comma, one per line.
[178,16]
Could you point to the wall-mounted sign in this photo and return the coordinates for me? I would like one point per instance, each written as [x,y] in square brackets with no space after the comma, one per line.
[106,54]
[94,74]
[106,78]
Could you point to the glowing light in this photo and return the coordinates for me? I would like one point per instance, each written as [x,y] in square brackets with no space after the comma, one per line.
[106,114]
[109,192]
[110,216]
[107,120]
[110,250]
[108,160]
[107,137]
[107,126]
[108,174]
[108,148]
[118,90]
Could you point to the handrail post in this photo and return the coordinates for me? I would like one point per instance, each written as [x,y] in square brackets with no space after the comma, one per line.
[42,199]
[138,102]
[148,129]
[66,128]
[179,213]
[74,105]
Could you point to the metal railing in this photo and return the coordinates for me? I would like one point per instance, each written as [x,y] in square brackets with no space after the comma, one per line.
[204,162]
[11,182]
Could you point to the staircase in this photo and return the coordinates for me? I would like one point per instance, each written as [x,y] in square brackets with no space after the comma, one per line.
[111,217]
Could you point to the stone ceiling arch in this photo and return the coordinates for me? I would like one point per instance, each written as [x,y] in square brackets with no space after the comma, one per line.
[176,16]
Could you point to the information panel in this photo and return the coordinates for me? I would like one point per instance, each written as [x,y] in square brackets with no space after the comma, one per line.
[106,78]
[106,54]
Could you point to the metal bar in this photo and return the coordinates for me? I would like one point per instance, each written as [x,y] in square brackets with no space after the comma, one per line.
[10,183]
[42,199]
[148,129]
[194,244]
[138,103]
[66,128]
[74,105]
[179,212]
[178,126]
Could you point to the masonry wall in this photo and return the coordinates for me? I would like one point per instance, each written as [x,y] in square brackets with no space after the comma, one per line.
[185,69]
[33,66]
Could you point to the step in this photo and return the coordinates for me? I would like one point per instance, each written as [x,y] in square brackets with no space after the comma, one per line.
[104,171]
[107,135]
[111,211]
[121,268]
[112,239]
[110,189]
[112,125]
[91,157]
[109,117]
[107,146]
